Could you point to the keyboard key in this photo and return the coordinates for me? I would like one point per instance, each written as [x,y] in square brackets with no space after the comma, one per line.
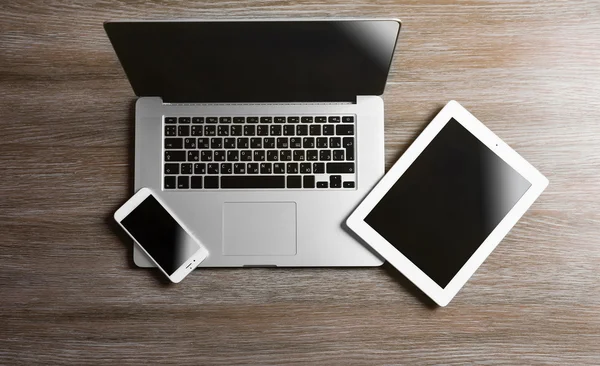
[239,119]
[259,155]
[344,130]
[206,155]
[294,181]
[183,130]
[175,155]
[225,120]
[190,142]
[282,143]
[298,155]
[278,168]
[285,155]
[249,130]
[275,130]
[170,130]
[293,119]
[295,142]
[262,130]
[279,119]
[269,143]
[170,119]
[256,143]
[335,181]
[184,119]
[321,119]
[252,120]
[211,182]
[302,130]
[309,181]
[173,143]
[272,155]
[183,182]
[328,130]
[325,155]
[203,143]
[266,119]
[305,168]
[212,120]
[246,155]
[322,185]
[322,143]
[348,144]
[197,131]
[186,168]
[289,130]
[242,142]
[198,120]
[223,130]
[348,119]
[219,155]
[200,168]
[233,155]
[315,130]
[236,130]
[338,155]
[239,168]
[308,142]
[340,168]
[312,155]
[334,119]
[348,184]
[335,142]
[213,168]
[319,168]
[216,143]
[265,168]
[292,168]
[229,143]
[226,168]
[210,131]
[252,168]
[306,119]
[170,182]
[241,182]
[193,155]
[171,168]
[196,182]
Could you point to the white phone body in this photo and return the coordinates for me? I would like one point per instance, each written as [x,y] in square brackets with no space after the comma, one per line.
[192,245]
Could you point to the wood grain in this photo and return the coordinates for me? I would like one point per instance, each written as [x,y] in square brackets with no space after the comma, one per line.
[69,293]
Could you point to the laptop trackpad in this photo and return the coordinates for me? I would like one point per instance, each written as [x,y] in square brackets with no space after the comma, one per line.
[259,228]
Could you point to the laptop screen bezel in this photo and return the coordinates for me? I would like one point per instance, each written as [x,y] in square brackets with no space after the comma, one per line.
[123,37]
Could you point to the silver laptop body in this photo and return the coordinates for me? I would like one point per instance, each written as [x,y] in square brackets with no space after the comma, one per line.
[258,211]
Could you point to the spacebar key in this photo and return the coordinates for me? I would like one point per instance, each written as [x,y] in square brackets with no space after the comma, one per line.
[271,181]
[340,168]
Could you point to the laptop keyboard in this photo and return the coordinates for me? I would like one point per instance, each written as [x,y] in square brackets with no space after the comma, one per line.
[254,152]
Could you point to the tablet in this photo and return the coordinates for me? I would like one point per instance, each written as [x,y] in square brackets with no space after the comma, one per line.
[447,202]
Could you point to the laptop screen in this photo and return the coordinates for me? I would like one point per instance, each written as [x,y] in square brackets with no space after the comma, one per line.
[255,61]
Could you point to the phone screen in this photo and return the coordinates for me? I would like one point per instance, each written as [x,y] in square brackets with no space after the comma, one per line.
[160,235]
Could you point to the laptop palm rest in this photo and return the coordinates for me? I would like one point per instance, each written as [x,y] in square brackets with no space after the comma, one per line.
[259,228]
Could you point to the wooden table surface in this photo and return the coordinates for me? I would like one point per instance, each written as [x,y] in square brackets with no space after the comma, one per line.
[69,292]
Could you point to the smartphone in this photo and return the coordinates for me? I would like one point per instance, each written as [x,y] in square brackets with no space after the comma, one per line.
[170,245]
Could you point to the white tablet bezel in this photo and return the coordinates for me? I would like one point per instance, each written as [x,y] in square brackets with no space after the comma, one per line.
[442,296]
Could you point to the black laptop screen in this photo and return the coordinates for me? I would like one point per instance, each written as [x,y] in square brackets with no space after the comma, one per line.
[255,61]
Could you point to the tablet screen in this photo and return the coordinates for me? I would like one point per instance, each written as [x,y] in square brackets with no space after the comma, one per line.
[447,202]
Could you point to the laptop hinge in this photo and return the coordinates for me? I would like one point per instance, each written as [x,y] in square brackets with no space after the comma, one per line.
[291,102]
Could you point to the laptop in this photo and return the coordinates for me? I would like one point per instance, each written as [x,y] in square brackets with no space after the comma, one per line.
[262,135]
